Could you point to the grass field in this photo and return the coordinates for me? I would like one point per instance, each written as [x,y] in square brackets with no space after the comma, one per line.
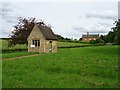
[16,54]
[5,45]
[18,46]
[66,44]
[88,67]
[23,53]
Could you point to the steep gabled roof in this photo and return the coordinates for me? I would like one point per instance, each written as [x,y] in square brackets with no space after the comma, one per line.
[47,32]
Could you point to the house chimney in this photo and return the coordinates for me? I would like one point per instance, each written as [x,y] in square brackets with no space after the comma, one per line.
[87,33]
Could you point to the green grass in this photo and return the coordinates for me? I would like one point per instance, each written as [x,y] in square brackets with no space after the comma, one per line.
[4,44]
[16,54]
[24,46]
[65,44]
[18,46]
[88,67]
[23,53]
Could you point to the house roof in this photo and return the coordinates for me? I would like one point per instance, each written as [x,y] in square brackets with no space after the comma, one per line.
[90,36]
[47,32]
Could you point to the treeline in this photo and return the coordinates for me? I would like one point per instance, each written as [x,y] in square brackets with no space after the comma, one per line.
[65,39]
[61,38]
[114,35]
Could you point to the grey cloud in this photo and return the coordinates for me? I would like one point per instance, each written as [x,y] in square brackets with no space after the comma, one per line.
[5,33]
[8,18]
[97,28]
[104,24]
[101,16]
[78,28]
[119,10]
[72,34]
[5,9]
[10,21]
[98,31]
[7,13]
[92,29]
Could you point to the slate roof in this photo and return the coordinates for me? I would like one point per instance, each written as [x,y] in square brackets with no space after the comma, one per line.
[47,32]
[90,36]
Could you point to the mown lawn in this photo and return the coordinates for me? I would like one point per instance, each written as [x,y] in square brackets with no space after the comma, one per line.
[16,54]
[11,54]
[88,67]
[66,44]
[18,46]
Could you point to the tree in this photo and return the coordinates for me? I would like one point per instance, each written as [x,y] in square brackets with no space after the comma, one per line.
[60,37]
[98,40]
[80,39]
[116,29]
[114,35]
[110,37]
[22,30]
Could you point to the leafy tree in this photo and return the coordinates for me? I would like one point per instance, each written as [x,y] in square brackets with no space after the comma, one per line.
[80,39]
[109,38]
[114,35]
[67,39]
[99,40]
[116,29]
[60,37]
[22,30]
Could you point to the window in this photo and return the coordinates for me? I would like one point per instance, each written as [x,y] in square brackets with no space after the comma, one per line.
[50,44]
[36,43]
[33,42]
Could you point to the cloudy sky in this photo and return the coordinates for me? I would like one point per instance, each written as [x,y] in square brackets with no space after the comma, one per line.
[69,19]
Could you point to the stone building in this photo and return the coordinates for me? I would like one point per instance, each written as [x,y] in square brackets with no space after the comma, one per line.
[42,39]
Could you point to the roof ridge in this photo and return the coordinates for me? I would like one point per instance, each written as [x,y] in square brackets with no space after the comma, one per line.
[47,32]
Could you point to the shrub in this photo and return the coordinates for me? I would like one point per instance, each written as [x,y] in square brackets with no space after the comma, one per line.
[96,41]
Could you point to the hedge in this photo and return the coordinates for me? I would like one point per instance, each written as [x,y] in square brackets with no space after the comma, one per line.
[12,50]
[18,50]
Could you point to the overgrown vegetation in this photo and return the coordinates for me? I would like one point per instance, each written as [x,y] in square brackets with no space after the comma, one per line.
[89,67]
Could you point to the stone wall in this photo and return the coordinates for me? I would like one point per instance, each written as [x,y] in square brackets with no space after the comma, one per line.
[36,34]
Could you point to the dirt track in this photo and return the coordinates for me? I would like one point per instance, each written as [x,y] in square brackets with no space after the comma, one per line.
[20,57]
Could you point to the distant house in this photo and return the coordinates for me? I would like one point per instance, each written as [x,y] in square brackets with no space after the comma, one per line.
[88,37]
[42,39]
